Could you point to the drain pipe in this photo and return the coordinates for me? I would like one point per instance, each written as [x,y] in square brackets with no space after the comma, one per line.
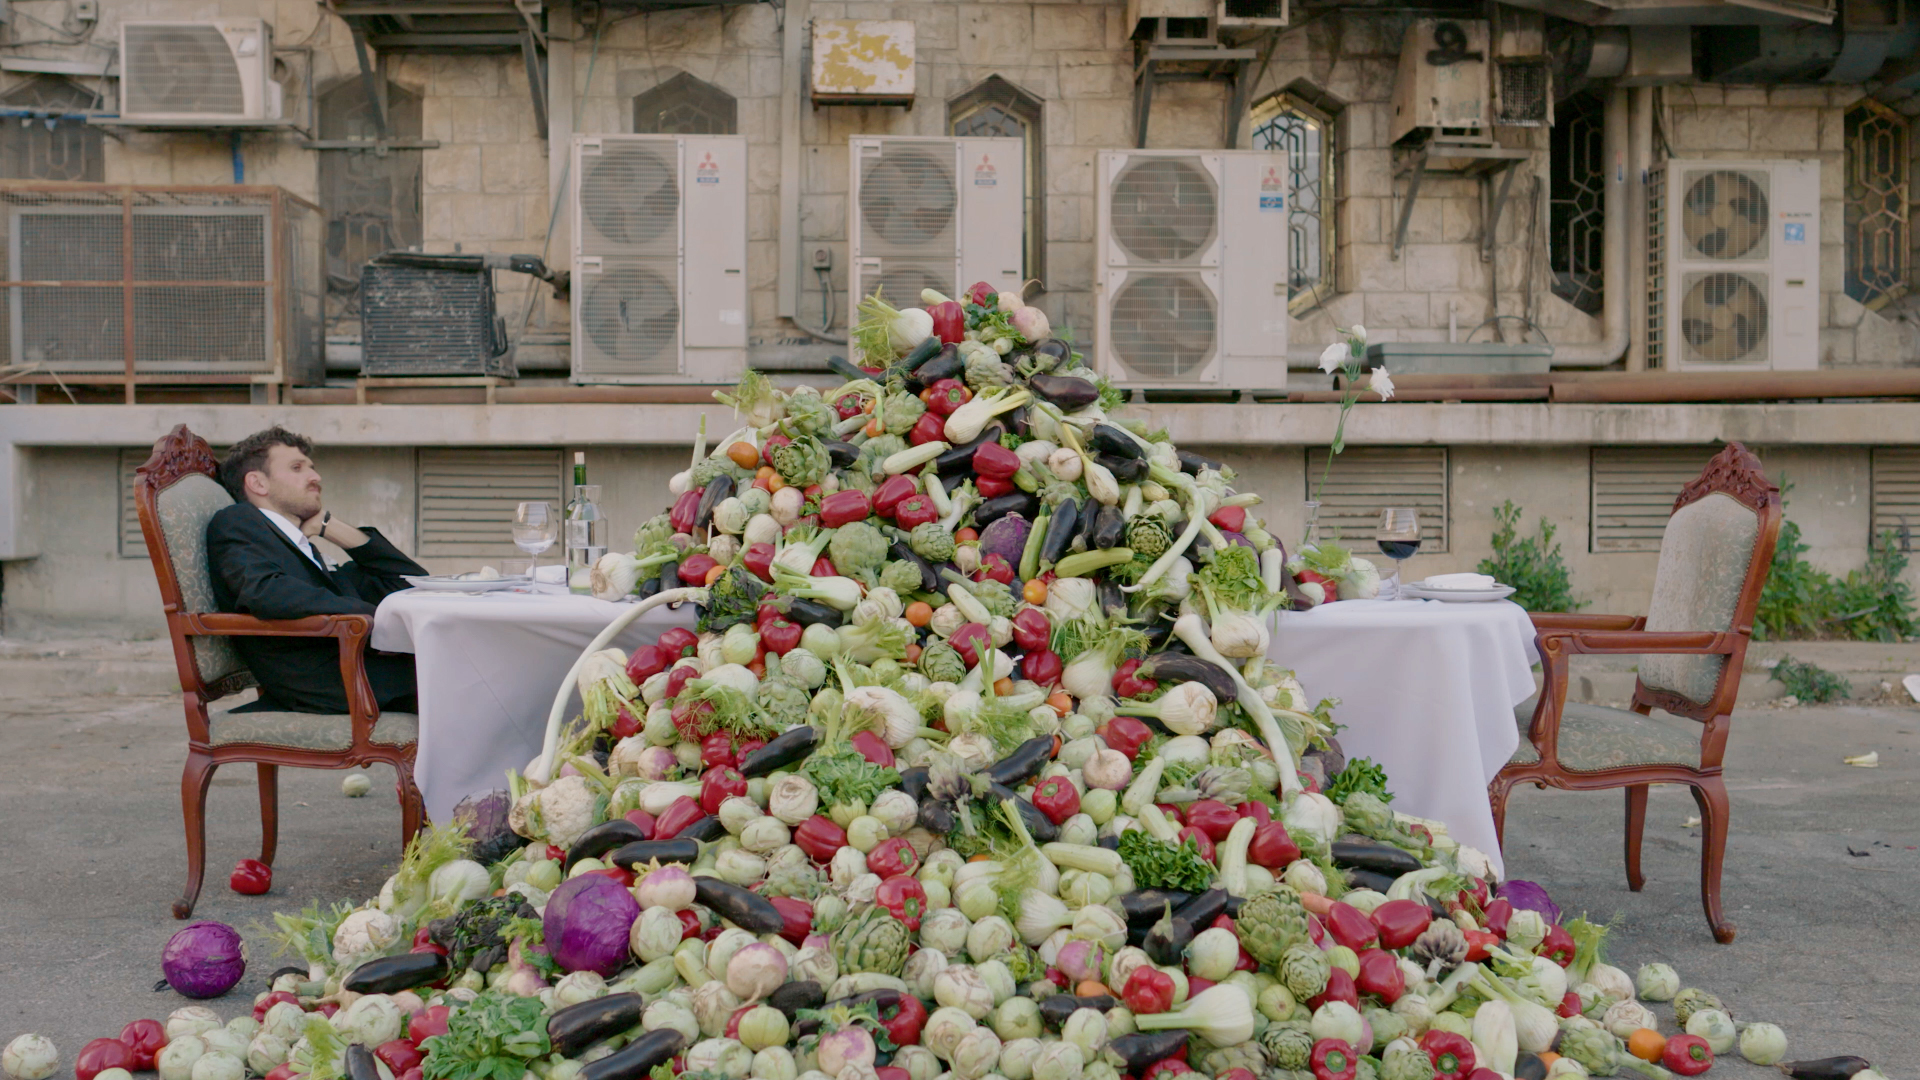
[1614,268]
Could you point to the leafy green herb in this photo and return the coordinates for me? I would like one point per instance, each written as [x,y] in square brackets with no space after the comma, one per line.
[1111,396]
[843,777]
[1361,774]
[1233,578]
[309,935]
[493,1037]
[1157,864]
[733,598]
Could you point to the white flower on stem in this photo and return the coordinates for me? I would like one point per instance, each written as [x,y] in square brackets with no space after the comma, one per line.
[1333,356]
[1359,334]
[1381,383]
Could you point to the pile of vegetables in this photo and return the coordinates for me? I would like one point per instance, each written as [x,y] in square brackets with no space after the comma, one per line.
[974,766]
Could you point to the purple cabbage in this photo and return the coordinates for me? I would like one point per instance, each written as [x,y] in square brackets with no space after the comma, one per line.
[587,923]
[1232,537]
[205,959]
[1529,895]
[1006,537]
[484,817]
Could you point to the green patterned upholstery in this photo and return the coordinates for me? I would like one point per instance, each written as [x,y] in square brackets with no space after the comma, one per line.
[1594,738]
[184,510]
[1704,557]
[307,731]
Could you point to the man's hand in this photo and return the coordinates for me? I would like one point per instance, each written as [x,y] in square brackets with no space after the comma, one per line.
[327,527]
[311,527]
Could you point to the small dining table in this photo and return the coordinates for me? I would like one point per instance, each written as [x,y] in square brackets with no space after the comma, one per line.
[1426,689]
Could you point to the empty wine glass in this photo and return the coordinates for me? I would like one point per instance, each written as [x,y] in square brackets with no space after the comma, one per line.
[535,528]
[1398,535]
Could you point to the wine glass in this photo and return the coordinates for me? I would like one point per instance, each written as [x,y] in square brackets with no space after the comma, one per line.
[535,528]
[1398,535]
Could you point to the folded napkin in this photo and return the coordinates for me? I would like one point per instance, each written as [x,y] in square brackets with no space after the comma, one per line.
[1459,581]
[551,575]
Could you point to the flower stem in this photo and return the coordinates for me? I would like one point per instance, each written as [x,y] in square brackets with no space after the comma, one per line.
[1352,371]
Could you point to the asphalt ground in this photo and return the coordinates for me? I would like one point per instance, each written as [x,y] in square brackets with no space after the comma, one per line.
[1822,876]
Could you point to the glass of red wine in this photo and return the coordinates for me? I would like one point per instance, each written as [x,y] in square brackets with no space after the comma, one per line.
[1398,535]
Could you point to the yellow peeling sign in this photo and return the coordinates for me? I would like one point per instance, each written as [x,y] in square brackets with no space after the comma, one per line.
[861,60]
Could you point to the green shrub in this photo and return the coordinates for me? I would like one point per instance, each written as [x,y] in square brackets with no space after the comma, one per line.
[1802,601]
[1809,682]
[1532,565]
[1797,595]
[1873,603]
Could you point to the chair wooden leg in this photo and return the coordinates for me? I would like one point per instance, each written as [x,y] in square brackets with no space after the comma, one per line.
[269,811]
[1636,828]
[1497,793]
[1711,796]
[413,806]
[194,780]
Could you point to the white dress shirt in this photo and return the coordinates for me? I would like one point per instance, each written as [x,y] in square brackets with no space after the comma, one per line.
[292,528]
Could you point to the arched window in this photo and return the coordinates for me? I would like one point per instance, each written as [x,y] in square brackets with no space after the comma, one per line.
[684,105]
[371,198]
[1000,109]
[1302,124]
[1576,205]
[55,146]
[1876,203]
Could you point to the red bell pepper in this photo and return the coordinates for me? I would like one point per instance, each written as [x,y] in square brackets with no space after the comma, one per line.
[1148,990]
[982,294]
[260,1007]
[1042,666]
[721,782]
[689,923]
[1166,1067]
[250,877]
[1128,685]
[850,405]
[425,1023]
[1475,891]
[399,1054]
[1557,946]
[1333,1059]
[1173,813]
[1212,817]
[679,642]
[690,717]
[844,507]
[823,567]
[944,396]
[748,746]
[1479,944]
[1032,630]
[646,662]
[100,1055]
[1350,928]
[1229,518]
[971,641]
[144,1038]
[891,493]
[758,559]
[1451,1054]
[994,568]
[1399,922]
[874,749]
[991,487]
[904,897]
[819,837]
[717,749]
[1125,734]
[892,857]
[695,568]
[992,459]
[931,427]
[627,720]
[781,635]
[796,918]
[1238,1073]
[1246,962]
[1257,811]
[949,321]
[1688,1055]
[1272,845]
[642,821]
[1201,841]
[685,509]
[1056,797]
[904,1020]
[557,854]
[284,1071]
[1569,1005]
[1497,914]
[915,510]
[1380,976]
[891,1072]
[683,812]
[1340,987]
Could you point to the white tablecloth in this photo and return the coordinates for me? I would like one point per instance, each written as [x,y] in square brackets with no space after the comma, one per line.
[1426,690]
[488,667]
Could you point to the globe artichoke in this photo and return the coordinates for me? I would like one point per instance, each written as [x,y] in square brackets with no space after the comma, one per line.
[1270,924]
[1364,1069]
[1148,535]
[1440,948]
[1222,783]
[1247,1055]
[1289,1044]
[932,542]
[802,462]
[1303,968]
[1692,1000]
[872,940]
[809,414]
[1595,1050]
[900,411]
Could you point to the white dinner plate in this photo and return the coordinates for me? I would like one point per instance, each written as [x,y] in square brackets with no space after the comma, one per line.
[468,583]
[1414,591]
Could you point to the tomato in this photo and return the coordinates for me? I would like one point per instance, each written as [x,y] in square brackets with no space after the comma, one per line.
[744,454]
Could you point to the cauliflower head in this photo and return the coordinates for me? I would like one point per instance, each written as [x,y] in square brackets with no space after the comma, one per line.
[364,933]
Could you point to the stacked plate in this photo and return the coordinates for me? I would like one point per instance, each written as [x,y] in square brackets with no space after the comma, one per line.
[1457,589]
[469,583]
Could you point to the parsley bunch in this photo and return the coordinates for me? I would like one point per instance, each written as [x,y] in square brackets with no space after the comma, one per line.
[1361,774]
[843,777]
[1157,864]
[493,1037]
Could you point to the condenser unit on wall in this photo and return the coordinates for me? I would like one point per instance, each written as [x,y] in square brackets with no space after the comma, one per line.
[198,74]
[934,213]
[1443,85]
[1190,270]
[1735,282]
[659,258]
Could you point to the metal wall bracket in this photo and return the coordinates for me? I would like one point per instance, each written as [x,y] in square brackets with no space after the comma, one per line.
[1477,160]
[1184,63]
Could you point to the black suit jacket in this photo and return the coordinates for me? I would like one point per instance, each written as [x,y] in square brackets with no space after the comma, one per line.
[258,571]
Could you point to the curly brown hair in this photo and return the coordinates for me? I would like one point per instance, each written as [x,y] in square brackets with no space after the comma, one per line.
[250,455]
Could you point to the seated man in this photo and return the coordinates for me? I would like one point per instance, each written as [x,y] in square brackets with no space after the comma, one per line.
[264,564]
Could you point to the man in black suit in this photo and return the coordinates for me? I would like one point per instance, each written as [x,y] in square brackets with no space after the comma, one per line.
[264,564]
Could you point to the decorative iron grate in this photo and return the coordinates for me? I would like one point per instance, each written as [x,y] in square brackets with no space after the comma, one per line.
[1305,135]
[1576,208]
[1876,203]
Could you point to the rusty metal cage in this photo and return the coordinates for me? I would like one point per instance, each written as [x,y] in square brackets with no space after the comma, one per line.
[145,284]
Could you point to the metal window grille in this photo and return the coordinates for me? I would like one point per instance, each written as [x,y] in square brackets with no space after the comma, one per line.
[1656,267]
[999,108]
[466,498]
[1633,489]
[1876,203]
[1576,209]
[371,198]
[1305,134]
[1896,492]
[684,105]
[1365,480]
[59,145]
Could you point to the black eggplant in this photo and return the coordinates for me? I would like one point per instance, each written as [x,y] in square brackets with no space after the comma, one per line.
[1203,909]
[958,460]
[791,997]
[669,577]
[680,850]
[946,364]
[287,970]
[1192,463]
[842,454]
[1112,600]
[1833,1068]
[1025,761]
[847,369]
[1054,347]
[601,839]
[392,974]
[1379,858]
[914,782]
[1167,942]
[1109,528]
[992,510]
[1528,1066]
[1200,550]
[1037,823]
[939,816]
[1370,879]
[929,577]
[706,828]
[361,1064]
[1084,527]
[810,612]
[1111,843]
[928,348]
[788,747]
[1180,667]
[1127,470]
[1056,1009]
[577,1027]
[1131,1053]
[718,490]
[1061,528]
[1144,907]
[1107,439]
[1064,391]
[1019,420]
[748,911]
[647,588]
[638,1058]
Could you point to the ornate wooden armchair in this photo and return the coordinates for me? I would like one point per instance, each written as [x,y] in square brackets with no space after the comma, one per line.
[176,495]
[1714,559]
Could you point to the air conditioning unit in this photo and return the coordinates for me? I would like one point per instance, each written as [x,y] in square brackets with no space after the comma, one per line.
[1190,270]
[659,258]
[1735,282]
[935,213]
[198,74]
[1443,84]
